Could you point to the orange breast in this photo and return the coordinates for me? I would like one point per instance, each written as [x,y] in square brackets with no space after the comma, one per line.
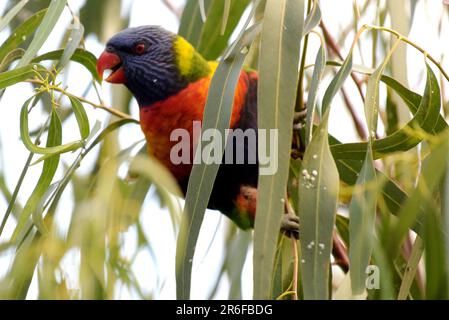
[159,120]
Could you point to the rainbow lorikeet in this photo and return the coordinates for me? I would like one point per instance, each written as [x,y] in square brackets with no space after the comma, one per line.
[170,81]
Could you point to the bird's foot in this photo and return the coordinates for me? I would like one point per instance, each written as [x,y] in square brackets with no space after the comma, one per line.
[299,119]
[290,225]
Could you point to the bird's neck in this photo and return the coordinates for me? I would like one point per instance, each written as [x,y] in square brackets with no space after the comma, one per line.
[191,65]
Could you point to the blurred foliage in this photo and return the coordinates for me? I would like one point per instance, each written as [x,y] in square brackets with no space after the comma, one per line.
[377,207]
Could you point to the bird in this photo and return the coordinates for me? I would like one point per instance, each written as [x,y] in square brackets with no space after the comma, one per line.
[170,81]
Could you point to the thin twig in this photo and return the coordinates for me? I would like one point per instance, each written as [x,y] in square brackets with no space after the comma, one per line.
[172,8]
[355,118]
[334,47]
[110,110]
[300,94]
[295,268]
[340,253]
[290,210]
[413,44]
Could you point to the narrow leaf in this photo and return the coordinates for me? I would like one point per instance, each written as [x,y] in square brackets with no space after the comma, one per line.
[48,171]
[84,57]
[313,19]
[227,9]
[12,77]
[10,58]
[362,209]
[81,117]
[48,23]
[217,115]
[6,19]
[318,197]
[24,134]
[213,39]
[279,61]
[21,33]
[75,37]
[318,72]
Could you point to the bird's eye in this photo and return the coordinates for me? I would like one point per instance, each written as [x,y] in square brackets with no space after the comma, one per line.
[139,48]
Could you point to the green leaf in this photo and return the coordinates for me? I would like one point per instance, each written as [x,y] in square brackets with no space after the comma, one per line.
[434,237]
[336,83]
[75,37]
[48,23]
[413,101]
[191,22]
[21,33]
[226,12]
[415,209]
[53,150]
[318,72]
[445,224]
[6,19]
[411,268]
[245,27]
[213,41]
[208,37]
[313,18]
[393,196]
[217,115]
[48,171]
[318,198]
[279,63]
[81,117]
[362,211]
[84,57]
[12,77]
[426,117]
[10,58]
[283,268]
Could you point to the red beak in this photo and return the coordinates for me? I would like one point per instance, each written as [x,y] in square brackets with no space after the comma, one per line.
[111,61]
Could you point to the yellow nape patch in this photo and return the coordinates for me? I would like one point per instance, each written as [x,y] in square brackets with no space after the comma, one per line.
[213,66]
[184,53]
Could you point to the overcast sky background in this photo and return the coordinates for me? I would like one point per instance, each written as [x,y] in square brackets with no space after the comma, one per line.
[157,223]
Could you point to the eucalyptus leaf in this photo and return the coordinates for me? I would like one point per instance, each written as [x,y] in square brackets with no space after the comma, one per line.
[48,23]
[48,171]
[283,25]
[21,33]
[217,115]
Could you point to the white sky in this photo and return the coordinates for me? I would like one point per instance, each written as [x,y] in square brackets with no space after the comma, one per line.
[156,221]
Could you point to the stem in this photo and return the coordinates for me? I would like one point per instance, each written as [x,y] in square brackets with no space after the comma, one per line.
[340,253]
[286,293]
[15,193]
[112,111]
[295,268]
[413,44]
[300,94]
[334,47]
[290,210]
